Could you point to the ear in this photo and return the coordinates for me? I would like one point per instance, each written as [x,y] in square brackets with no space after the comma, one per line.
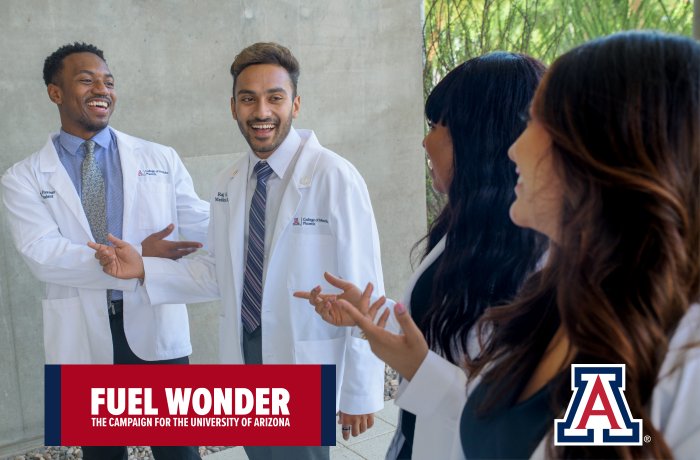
[55,93]
[233,108]
[295,106]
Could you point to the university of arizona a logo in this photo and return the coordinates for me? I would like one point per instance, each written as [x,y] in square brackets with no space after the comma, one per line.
[598,413]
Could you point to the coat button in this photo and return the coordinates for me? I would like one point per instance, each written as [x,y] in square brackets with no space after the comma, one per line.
[305,181]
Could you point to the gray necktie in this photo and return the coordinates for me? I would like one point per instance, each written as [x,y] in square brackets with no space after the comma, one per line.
[93,194]
[93,199]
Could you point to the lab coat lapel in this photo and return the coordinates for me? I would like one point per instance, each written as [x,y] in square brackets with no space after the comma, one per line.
[290,201]
[298,177]
[236,222]
[62,184]
[128,157]
[422,267]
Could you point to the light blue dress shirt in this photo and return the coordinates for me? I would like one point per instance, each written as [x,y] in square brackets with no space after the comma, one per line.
[71,153]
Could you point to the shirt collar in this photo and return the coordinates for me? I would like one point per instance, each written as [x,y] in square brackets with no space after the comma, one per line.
[280,158]
[72,143]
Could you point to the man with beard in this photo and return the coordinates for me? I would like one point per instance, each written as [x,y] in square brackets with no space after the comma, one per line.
[286,212]
[87,181]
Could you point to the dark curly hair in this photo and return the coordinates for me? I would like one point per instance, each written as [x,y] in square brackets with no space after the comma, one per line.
[54,63]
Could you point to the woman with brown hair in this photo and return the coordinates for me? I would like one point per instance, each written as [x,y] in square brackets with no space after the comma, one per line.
[609,170]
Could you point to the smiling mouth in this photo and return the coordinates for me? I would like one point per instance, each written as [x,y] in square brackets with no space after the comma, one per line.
[99,104]
[262,126]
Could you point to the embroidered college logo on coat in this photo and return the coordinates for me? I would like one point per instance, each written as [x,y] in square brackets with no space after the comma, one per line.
[151,172]
[598,413]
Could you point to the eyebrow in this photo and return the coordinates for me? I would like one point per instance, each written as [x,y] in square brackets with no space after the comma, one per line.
[279,89]
[108,75]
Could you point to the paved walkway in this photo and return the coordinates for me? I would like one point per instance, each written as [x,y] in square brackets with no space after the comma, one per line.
[370,445]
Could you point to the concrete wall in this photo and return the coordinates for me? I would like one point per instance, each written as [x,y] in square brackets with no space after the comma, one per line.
[361,92]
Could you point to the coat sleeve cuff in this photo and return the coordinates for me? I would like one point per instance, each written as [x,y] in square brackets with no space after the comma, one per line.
[437,387]
[362,390]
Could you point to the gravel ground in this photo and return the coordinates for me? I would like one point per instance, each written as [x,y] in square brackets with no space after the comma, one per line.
[71,453]
[391,383]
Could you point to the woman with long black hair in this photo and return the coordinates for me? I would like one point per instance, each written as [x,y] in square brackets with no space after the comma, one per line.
[474,255]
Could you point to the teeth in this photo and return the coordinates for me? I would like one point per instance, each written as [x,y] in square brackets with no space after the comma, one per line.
[265,126]
[102,104]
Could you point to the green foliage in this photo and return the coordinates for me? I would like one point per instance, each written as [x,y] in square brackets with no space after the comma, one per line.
[457,30]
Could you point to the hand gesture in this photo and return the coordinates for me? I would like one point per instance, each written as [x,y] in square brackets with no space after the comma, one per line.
[155,245]
[404,352]
[120,260]
[355,424]
[326,304]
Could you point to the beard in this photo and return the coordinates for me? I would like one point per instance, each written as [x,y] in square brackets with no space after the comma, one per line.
[95,127]
[269,145]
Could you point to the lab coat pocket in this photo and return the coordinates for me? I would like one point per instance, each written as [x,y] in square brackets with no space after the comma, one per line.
[330,351]
[65,333]
[153,200]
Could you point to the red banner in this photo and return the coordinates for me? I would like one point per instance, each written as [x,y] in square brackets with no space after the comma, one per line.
[158,405]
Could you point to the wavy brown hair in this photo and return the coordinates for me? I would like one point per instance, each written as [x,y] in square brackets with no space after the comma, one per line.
[624,116]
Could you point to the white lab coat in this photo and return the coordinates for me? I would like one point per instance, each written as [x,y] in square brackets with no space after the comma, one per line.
[438,392]
[426,434]
[322,188]
[50,230]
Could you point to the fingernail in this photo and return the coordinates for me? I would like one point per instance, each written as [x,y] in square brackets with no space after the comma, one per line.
[400,309]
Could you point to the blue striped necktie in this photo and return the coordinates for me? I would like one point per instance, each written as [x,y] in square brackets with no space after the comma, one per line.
[252,282]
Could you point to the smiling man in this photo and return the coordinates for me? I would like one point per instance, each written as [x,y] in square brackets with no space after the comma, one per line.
[316,217]
[87,181]
[286,212]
